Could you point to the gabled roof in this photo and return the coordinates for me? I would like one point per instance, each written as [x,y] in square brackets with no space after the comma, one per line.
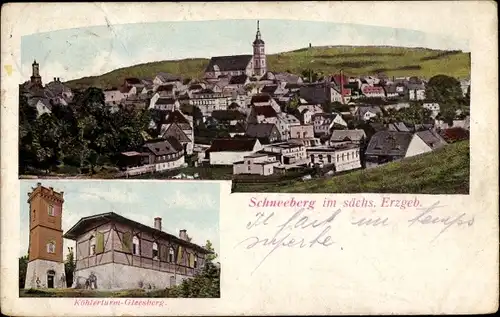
[176,117]
[227,115]
[166,77]
[390,143]
[168,88]
[260,130]
[347,135]
[398,126]
[166,146]
[266,111]
[261,98]
[85,223]
[238,80]
[133,81]
[431,138]
[229,63]
[232,145]
[269,89]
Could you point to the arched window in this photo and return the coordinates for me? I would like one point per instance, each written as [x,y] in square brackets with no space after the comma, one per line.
[135,245]
[329,158]
[343,156]
[195,261]
[92,245]
[51,247]
[155,251]
[348,156]
[171,254]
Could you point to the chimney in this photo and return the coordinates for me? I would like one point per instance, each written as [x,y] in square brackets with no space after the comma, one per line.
[158,223]
[183,234]
[55,79]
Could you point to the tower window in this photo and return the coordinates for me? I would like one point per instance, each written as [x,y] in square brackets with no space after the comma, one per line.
[34,215]
[51,211]
[51,247]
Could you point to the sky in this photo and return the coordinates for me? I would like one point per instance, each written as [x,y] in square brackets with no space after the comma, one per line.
[141,201]
[75,53]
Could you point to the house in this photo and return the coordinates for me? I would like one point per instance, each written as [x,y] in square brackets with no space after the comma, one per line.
[228,151]
[284,122]
[167,104]
[265,132]
[372,91]
[113,96]
[238,81]
[256,164]
[229,117]
[433,107]
[119,253]
[424,141]
[42,106]
[366,113]
[165,154]
[416,91]
[207,100]
[343,158]
[289,154]
[185,123]
[284,77]
[387,146]
[302,131]
[465,85]
[325,122]
[391,92]
[343,137]
[166,78]
[261,100]
[307,111]
[166,90]
[135,163]
[237,129]
[132,82]
[262,114]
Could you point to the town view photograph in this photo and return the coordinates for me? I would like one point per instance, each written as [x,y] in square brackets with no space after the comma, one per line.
[270,105]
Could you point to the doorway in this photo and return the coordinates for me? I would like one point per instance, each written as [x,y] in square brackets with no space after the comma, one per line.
[50,278]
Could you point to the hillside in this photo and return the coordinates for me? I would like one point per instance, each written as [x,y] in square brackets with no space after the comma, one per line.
[444,171]
[354,60]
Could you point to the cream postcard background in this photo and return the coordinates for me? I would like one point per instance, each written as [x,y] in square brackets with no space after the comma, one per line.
[396,269]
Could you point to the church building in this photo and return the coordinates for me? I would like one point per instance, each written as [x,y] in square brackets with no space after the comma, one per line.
[234,65]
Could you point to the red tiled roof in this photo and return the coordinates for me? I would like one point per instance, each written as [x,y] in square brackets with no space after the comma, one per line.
[455,134]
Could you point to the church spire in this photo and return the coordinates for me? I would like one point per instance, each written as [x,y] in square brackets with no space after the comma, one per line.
[258,35]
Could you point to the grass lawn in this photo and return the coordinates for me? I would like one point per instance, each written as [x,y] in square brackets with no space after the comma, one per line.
[354,60]
[444,171]
[70,292]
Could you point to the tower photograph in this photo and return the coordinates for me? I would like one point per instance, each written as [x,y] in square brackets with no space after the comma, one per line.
[275,106]
[110,239]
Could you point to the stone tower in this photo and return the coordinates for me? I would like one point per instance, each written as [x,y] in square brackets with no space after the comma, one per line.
[259,54]
[45,258]
[36,79]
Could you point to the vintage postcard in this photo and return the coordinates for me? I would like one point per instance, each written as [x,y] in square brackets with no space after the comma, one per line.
[332,157]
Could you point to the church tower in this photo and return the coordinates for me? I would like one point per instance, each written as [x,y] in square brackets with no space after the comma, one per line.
[36,79]
[259,54]
[45,258]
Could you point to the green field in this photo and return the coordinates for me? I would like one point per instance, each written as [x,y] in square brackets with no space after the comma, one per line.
[444,171]
[354,60]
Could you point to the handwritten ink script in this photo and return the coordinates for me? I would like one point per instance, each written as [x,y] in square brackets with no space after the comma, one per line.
[306,228]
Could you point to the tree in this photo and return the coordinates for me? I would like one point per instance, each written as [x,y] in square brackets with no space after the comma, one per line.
[23,267]
[204,285]
[69,266]
[209,247]
[442,89]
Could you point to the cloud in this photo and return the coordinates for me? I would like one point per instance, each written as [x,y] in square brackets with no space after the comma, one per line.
[180,199]
[112,195]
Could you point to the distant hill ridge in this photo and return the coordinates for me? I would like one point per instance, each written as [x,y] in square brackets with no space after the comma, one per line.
[353,60]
